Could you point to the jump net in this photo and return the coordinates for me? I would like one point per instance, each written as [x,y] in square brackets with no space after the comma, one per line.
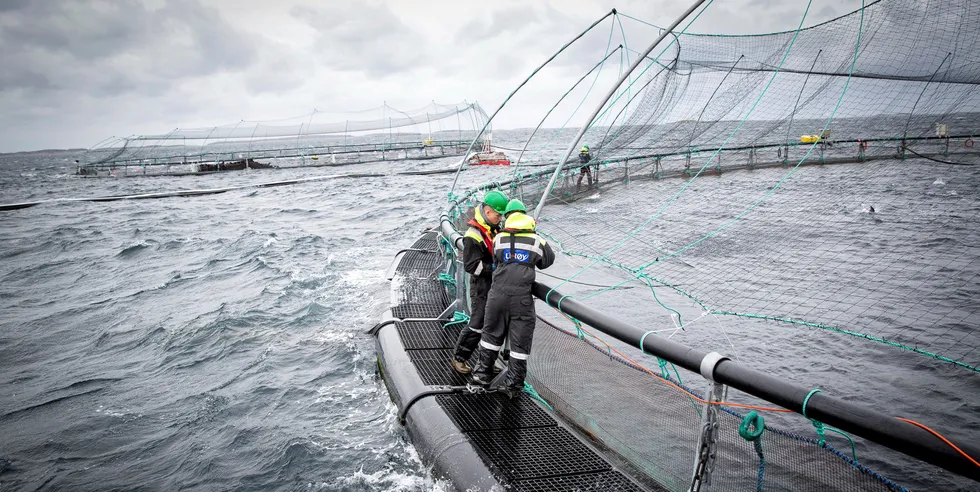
[319,138]
[804,201]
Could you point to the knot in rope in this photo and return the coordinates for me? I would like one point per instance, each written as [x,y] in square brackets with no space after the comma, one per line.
[458,318]
[752,426]
[746,430]
[446,278]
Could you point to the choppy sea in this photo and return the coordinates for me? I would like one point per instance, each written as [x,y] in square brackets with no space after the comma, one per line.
[209,342]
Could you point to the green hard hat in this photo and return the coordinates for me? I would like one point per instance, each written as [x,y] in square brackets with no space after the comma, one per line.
[515,205]
[496,200]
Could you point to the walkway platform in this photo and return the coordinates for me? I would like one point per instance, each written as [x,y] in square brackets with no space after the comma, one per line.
[477,441]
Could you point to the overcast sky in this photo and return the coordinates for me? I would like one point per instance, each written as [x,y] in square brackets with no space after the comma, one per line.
[75,72]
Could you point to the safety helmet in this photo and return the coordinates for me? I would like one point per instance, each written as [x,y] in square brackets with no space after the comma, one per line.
[496,200]
[515,205]
[585,148]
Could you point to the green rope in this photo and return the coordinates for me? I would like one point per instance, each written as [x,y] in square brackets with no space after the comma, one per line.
[534,394]
[459,317]
[820,427]
[612,29]
[777,186]
[751,429]
[447,279]
[705,166]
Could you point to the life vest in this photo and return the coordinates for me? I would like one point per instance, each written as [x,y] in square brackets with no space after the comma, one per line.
[519,225]
[482,228]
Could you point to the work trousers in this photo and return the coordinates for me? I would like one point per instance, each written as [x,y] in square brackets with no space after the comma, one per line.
[511,313]
[469,337]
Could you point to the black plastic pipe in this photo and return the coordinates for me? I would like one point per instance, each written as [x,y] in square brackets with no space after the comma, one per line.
[872,425]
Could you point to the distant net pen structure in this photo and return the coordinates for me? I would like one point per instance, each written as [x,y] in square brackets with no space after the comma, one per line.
[807,203]
[320,138]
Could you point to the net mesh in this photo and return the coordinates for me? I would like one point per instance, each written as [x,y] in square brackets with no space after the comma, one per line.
[319,138]
[804,201]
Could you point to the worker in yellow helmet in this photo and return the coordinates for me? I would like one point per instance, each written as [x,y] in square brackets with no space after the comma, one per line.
[517,251]
[584,156]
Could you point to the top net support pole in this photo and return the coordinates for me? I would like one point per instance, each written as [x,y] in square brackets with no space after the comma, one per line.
[609,95]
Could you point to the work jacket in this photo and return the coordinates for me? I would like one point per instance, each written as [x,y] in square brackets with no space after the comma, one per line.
[517,250]
[477,252]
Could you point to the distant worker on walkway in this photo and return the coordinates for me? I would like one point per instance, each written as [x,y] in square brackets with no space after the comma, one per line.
[478,262]
[584,156]
[517,250]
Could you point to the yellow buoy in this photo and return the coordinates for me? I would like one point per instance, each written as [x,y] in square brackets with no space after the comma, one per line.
[809,138]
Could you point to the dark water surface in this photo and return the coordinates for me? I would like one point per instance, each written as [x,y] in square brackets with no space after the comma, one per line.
[215,342]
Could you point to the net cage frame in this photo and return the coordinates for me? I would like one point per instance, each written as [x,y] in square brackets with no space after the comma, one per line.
[924,136]
[435,131]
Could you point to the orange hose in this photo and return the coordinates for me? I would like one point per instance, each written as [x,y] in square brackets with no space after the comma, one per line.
[940,436]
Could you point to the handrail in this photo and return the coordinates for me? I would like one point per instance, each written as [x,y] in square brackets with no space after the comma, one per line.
[872,425]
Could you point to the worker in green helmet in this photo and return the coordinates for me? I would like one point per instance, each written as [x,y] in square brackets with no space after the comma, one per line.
[478,262]
[517,251]
[584,156]
[514,205]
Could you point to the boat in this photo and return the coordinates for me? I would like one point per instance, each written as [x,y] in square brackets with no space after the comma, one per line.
[487,156]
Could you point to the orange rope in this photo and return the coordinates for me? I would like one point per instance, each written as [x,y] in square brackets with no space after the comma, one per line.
[670,383]
[742,405]
[940,436]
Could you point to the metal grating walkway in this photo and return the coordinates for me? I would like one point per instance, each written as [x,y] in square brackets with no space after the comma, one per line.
[521,442]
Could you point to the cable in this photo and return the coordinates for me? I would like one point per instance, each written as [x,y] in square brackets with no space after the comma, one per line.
[940,436]
[938,160]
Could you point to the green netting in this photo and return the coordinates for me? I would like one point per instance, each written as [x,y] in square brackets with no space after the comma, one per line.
[806,202]
[616,396]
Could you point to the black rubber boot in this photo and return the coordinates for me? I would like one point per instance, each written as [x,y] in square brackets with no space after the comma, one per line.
[516,371]
[483,371]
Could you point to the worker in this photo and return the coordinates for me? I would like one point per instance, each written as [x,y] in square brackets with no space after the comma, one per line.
[478,262]
[517,250]
[584,156]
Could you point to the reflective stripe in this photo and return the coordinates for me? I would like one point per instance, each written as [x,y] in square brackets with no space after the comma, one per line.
[489,346]
[479,269]
[475,330]
[518,355]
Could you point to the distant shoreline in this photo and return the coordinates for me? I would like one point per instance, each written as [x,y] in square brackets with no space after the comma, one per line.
[42,152]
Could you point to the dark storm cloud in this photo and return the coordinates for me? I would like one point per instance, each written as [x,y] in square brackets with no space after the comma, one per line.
[122,46]
[8,5]
[365,37]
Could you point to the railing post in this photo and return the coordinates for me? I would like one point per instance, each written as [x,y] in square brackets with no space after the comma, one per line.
[704,459]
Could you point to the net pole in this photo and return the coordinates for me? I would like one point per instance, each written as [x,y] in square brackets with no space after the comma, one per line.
[609,95]
[562,98]
[462,161]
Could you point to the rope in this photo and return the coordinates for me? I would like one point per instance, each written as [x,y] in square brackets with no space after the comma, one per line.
[938,160]
[714,155]
[820,427]
[534,394]
[447,279]
[459,317]
[751,430]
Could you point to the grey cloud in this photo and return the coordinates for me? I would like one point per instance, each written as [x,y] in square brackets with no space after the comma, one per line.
[119,46]
[364,37]
[8,5]
[500,23]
